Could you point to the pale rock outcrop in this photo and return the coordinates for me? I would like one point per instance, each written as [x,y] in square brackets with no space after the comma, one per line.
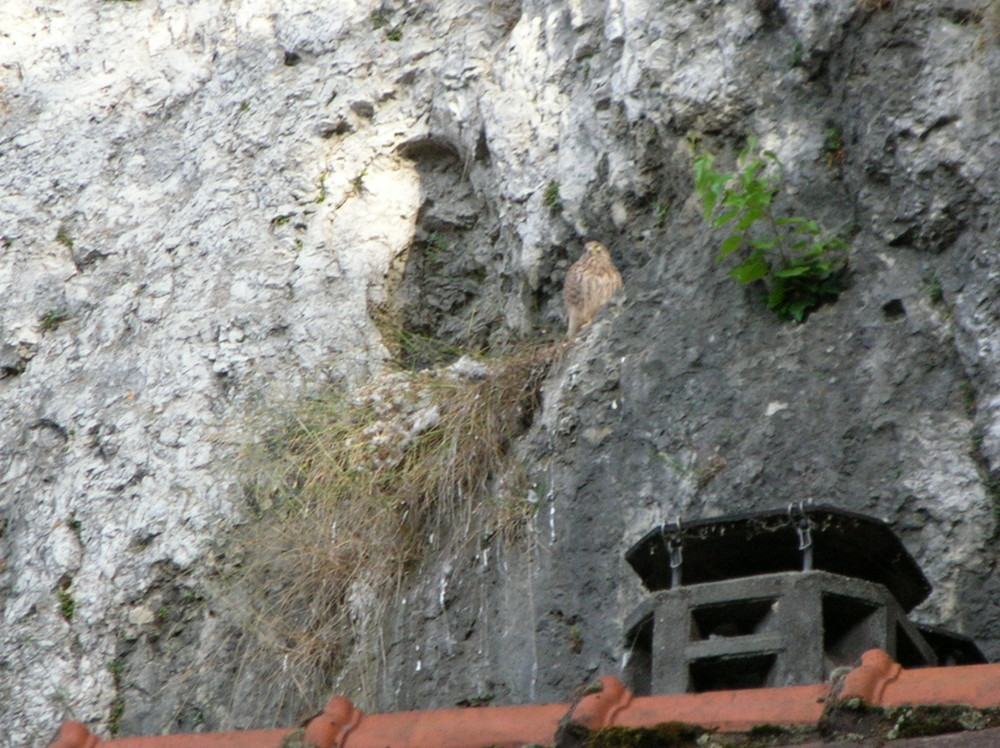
[200,204]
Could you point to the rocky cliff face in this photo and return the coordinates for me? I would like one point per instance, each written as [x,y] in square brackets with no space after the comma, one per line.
[202,206]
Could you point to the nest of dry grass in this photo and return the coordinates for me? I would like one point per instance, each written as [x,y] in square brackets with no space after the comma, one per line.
[353,492]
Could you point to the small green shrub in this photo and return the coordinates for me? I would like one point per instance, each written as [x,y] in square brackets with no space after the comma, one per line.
[115,716]
[381,21]
[575,640]
[798,52]
[63,237]
[800,266]
[550,198]
[67,604]
[970,399]
[833,147]
[932,285]
[358,182]
[53,318]
[116,667]
[662,208]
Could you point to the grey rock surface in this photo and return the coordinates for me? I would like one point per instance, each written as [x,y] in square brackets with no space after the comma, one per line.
[201,205]
[689,399]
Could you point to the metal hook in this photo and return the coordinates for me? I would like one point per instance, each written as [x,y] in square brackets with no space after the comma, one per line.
[803,527]
[675,547]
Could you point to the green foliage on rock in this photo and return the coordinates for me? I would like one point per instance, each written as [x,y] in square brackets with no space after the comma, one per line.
[63,237]
[53,318]
[800,266]
[67,604]
[550,198]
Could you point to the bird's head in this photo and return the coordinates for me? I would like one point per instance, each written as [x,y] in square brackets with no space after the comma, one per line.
[596,247]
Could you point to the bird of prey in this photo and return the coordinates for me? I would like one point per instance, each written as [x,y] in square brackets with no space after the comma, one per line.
[590,283]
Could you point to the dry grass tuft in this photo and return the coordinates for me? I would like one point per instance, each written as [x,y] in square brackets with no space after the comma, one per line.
[353,492]
[990,24]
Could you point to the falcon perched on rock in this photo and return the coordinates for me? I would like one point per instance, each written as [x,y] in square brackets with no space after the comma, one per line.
[590,283]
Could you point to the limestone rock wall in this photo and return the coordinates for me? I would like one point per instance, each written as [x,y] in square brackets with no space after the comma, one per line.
[688,398]
[201,205]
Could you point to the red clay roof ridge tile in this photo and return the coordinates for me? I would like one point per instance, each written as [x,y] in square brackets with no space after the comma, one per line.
[600,707]
[869,680]
[330,728]
[877,681]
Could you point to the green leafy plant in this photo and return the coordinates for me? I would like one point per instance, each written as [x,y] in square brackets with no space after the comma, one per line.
[63,237]
[53,318]
[115,716]
[833,147]
[550,198]
[116,667]
[67,604]
[932,285]
[436,245]
[798,52]
[662,208]
[969,397]
[358,182]
[800,266]
[381,21]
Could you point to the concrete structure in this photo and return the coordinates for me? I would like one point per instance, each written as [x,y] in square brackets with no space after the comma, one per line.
[784,598]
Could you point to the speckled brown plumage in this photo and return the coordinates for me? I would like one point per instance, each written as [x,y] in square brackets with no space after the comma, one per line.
[590,283]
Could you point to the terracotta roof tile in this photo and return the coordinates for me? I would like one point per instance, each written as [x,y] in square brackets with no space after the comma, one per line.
[877,682]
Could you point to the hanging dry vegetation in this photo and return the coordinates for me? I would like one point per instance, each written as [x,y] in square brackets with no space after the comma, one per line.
[351,493]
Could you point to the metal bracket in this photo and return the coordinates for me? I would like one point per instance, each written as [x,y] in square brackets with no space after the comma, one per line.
[672,535]
[803,527]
